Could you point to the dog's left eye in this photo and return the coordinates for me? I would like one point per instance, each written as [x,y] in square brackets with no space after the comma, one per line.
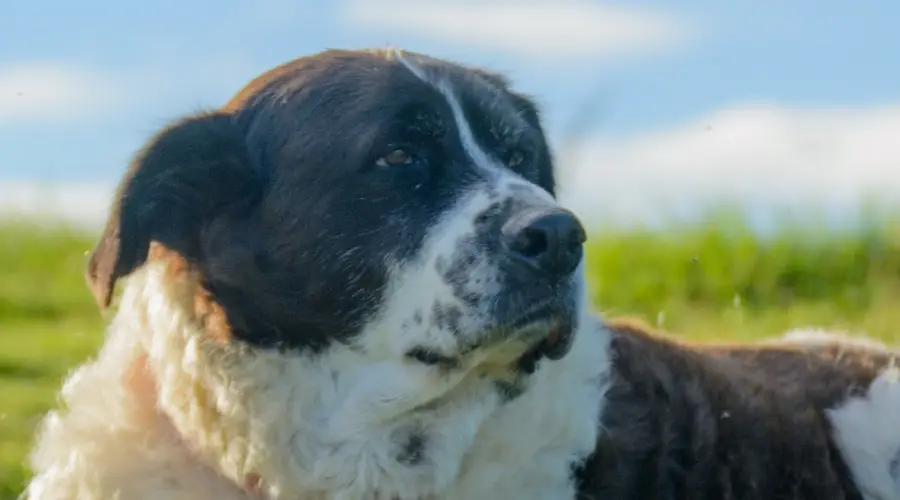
[515,158]
[395,158]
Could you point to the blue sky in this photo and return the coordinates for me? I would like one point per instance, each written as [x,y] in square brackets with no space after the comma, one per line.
[761,102]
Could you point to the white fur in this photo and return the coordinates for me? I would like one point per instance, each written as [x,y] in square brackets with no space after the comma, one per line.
[867,428]
[326,426]
[108,444]
[867,431]
[820,336]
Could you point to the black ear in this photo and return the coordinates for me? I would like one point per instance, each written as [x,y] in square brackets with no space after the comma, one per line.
[190,174]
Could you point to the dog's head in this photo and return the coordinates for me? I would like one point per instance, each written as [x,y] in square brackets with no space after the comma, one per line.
[393,206]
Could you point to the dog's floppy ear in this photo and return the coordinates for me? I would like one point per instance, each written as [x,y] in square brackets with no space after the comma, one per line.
[189,174]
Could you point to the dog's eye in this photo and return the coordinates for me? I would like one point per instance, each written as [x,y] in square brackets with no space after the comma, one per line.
[430,358]
[395,158]
[515,158]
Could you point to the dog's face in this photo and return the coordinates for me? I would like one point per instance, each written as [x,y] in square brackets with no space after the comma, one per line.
[394,207]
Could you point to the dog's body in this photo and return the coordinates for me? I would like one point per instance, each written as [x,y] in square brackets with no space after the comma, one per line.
[796,418]
[354,281]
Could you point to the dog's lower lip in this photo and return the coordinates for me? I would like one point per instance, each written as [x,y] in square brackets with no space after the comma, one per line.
[554,335]
[553,323]
[544,312]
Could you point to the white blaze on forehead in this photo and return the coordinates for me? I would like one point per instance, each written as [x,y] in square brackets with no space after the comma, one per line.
[498,174]
[466,137]
[413,68]
[478,155]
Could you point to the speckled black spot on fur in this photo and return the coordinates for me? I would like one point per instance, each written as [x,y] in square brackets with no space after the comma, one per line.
[441,264]
[486,215]
[412,452]
[895,468]
[508,391]
[482,244]
[462,266]
[446,317]
[417,317]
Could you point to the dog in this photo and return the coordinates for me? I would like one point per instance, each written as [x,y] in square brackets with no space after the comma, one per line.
[354,281]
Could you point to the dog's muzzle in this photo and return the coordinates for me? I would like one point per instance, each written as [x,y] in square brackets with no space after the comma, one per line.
[542,250]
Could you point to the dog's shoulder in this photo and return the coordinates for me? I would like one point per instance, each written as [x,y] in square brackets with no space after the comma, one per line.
[827,368]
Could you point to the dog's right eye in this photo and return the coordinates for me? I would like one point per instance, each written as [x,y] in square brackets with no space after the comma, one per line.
[429,358]
[396,158]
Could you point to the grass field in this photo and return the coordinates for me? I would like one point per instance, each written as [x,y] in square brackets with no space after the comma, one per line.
[709,280]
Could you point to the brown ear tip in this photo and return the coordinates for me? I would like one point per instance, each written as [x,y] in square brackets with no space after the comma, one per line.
[102,292]
[98,283]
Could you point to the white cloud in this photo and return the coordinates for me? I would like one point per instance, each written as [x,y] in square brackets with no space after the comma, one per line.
[761,155]
[61,92]
[535,29]
[51,91]
[82,205]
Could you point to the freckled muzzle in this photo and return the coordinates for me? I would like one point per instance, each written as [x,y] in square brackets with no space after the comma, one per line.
[542,248]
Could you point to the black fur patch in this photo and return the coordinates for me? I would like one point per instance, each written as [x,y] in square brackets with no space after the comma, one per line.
[447,317]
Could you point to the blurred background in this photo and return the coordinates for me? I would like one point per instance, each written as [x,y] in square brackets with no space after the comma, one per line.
[738,162]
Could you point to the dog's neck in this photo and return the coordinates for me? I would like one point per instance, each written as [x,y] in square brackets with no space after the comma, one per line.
[193,373]
[142,384]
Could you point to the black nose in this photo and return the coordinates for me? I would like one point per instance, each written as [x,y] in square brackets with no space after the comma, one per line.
[549,241]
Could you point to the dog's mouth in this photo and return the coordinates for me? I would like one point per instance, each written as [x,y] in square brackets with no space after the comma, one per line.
[545,330]
[511,351]
[549,330]
[549,324]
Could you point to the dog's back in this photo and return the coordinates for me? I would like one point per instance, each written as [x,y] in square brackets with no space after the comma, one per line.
[807,416]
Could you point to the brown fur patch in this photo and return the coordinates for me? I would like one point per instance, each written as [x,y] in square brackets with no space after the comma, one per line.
[177,267]
[215,322]
[206,310]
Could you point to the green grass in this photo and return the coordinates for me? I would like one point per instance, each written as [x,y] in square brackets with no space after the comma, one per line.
[47,324]
[711,280]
